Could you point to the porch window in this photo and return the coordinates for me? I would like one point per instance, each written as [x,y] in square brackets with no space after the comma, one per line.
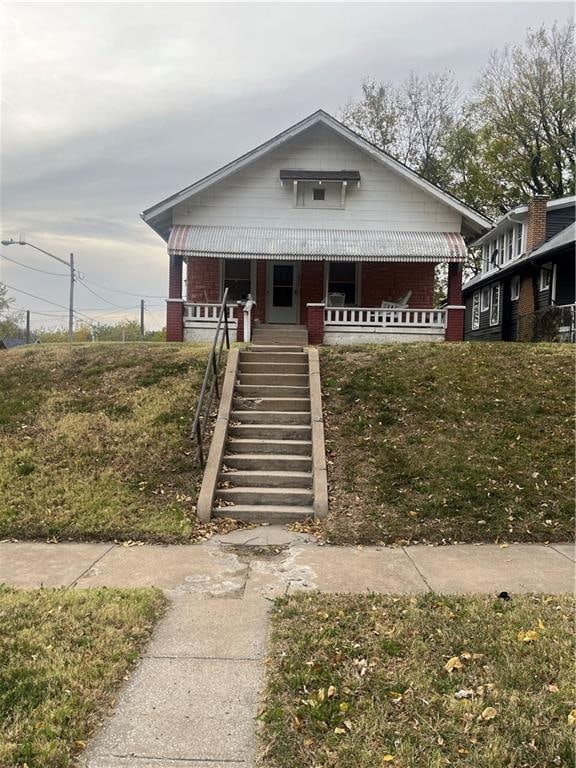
[495,304]
[476,311]
[342,280]
[237,279]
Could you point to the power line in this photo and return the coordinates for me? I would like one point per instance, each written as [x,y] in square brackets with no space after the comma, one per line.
[152,316]
[127,293]
[112,304]
[47,301]
[34,269]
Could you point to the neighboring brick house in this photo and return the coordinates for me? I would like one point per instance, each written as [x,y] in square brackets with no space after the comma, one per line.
[322,229]
[526,288]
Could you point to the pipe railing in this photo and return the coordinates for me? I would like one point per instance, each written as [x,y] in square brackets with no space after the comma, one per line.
[210,385]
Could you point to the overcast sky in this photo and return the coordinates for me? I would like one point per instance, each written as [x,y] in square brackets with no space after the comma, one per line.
[108,108]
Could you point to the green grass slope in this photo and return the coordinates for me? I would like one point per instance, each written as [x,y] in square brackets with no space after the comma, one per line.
[94,441]
[449,442]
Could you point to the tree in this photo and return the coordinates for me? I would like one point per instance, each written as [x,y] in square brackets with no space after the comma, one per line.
[377,116]
[526,104]
[410,122]
[5,300]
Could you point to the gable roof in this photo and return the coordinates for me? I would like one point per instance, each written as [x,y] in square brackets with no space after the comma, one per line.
[159,216]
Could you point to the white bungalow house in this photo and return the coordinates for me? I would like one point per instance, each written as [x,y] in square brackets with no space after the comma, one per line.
[323,230]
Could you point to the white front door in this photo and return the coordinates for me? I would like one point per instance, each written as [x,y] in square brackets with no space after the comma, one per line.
[282,292]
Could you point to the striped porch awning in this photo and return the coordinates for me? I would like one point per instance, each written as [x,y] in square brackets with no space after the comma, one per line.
[315,244]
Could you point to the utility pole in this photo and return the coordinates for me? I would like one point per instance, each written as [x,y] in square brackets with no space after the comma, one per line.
[27,326]
[71,307]
[69,264]
[142,319]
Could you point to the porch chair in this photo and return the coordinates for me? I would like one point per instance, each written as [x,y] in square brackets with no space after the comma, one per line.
[336,299]
[402,302]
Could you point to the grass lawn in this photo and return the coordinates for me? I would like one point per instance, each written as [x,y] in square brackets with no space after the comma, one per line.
[63,653]
[94,441]
[427,682]
[449,442]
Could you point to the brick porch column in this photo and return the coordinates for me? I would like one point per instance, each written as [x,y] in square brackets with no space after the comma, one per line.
[454,309]
[175,303]
[315,323]
[239,315]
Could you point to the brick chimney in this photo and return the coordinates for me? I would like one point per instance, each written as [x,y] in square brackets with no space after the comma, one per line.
[536,221]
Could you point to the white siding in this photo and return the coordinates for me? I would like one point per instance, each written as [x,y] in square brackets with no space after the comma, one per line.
[255,197]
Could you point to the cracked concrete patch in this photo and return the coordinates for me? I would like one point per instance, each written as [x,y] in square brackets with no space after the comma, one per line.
[272,577]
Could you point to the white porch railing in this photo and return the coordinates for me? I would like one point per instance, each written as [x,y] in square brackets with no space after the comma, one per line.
[206,313]
[361,317]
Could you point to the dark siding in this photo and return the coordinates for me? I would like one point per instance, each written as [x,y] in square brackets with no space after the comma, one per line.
[513,320]
[565,277]
[486,332]
[542,298]
[559,219]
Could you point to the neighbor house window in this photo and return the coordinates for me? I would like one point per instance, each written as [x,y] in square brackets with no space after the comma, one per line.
[485,300]
[545,279]
[476,311]
[342,280]
[518,239]
[495,304]
[510,252]
[485,257]
[319,194]
[237,278]
[515,288]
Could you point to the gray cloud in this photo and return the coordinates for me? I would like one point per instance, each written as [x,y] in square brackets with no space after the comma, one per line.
[108,108]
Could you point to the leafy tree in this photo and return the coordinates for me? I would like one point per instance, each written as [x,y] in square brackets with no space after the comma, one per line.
[126,330]
[526,102]
[10,321]
[5,300]
[514,137]
[409,122]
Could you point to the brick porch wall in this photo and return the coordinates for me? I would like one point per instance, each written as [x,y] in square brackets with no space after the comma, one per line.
[311,286]
[203,280]
[389,282]
[259,312]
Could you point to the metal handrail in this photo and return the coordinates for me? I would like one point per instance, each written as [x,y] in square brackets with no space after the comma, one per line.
[204,405]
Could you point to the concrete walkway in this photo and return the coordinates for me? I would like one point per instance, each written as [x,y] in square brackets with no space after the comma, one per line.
[193,699]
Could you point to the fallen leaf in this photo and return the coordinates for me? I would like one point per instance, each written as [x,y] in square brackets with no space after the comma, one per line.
[388,758]
[530,636]
[339,730]
[488,714]
[572,717]
[331,692]
[453,663]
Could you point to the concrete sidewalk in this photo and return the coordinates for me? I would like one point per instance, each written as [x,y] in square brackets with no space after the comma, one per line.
[194,696]
[268,562]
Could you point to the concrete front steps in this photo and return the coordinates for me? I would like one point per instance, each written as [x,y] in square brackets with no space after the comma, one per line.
[266,472]
[287,335]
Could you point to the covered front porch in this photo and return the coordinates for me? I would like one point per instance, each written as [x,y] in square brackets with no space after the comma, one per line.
[340,298]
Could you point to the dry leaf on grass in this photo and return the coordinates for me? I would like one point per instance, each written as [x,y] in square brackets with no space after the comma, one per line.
[453,663]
